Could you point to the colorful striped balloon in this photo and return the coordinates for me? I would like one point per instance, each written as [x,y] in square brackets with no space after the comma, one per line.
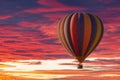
[80,33]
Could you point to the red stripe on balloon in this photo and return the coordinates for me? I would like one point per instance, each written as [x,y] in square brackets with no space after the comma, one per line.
[73,33]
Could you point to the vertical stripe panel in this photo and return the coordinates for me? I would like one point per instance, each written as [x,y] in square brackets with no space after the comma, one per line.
[87,33]
[98,36]
[101,27]
[80,32]
[62,36]
[93,32]
[67,33]
[73,32]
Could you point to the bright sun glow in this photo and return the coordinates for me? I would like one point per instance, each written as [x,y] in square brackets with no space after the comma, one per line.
[43,76]
[28,68]
[59,64]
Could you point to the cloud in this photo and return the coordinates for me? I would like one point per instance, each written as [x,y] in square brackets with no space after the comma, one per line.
[59,69]
[111,61]
[4,17]
[8,7]
[22,54]
[50,41]
[67,64]
[29,62]
[107,2]
[28,24]
[20,51]
[57,56]
[11,41]
[51,8]
[103,62]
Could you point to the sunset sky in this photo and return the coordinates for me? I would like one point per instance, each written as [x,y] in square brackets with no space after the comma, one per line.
[30,49]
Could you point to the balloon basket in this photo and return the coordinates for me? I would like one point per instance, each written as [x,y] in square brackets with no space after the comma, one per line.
[80,66]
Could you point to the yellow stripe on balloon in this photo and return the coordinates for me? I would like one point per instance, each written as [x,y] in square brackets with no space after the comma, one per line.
[98,34]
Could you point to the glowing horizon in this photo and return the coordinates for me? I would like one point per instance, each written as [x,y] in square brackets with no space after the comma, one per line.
[50,69]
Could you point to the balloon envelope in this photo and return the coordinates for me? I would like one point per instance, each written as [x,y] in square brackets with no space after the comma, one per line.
[80,33]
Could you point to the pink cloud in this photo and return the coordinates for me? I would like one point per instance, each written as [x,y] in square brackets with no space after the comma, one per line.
[51,8]
[42,10]
[5,17]
[49,30]
[17,43]
[28,24]
[45,3]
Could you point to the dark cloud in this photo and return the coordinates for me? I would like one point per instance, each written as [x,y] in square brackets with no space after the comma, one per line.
[67,64]
[23,54]
[89,4]
[8,36]
[57,56]
[30,62]
[115,61]
[34,63]
[93,6]
[103,61]
[20,51]
[78,3]
[28,29]
[50,41]
[13,6]
[11,41]
[36,50]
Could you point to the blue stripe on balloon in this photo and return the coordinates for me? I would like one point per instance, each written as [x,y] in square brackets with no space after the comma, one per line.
[80,32]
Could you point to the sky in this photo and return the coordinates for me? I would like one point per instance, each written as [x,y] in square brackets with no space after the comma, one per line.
[28,38]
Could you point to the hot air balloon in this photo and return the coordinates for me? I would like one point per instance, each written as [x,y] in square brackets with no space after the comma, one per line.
[80,33]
